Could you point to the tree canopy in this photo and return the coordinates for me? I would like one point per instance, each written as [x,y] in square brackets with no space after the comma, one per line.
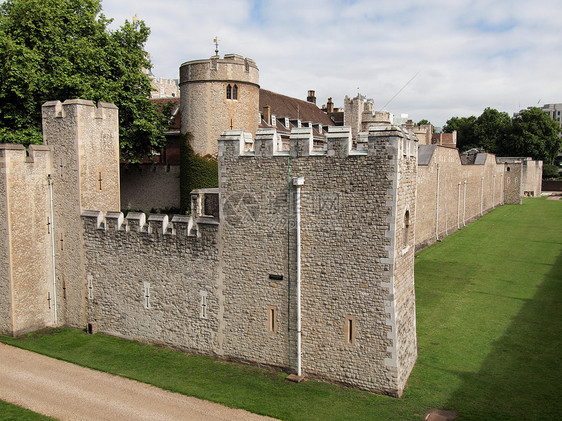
[532,133]
[465,131]
[535,134]
[63,49]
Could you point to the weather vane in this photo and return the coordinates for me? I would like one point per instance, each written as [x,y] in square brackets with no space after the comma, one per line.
[216,41]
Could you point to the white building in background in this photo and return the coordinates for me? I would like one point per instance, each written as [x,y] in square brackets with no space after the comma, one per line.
[555,112]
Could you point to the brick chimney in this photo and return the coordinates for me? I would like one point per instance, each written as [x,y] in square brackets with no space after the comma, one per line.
[267,114]
[330,106]
[311,97]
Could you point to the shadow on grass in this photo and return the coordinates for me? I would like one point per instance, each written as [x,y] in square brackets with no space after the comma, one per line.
[521,378]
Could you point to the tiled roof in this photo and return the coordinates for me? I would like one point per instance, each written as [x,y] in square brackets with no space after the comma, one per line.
[425,152]
[285,106]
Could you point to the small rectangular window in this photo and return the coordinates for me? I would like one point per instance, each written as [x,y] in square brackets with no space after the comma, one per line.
[146,298]
[349,330]
[90,287]
[272,319]
[203,304]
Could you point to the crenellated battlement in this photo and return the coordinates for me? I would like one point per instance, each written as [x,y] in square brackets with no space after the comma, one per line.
[16,153]
[180,225]
[379,139]
[70,107]
[204,208]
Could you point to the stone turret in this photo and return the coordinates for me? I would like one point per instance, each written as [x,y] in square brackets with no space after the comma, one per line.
[218,94]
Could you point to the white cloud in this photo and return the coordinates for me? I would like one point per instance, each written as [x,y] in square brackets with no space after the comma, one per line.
[467,54]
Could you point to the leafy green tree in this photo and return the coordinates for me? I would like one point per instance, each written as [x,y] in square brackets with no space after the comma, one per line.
[423,122]
[534,134]
[465,127]
[492,129]
[62,49]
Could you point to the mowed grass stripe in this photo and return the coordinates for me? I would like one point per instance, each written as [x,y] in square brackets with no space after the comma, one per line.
[488,321]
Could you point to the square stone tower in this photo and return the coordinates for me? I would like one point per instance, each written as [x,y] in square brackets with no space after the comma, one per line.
[84,140]
[326,287]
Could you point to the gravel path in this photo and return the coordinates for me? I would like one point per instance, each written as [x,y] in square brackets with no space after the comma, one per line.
[70,392]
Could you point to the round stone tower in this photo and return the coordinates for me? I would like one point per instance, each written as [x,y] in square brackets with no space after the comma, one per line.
[218,94]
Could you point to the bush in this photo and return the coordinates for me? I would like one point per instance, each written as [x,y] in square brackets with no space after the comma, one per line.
[550,171]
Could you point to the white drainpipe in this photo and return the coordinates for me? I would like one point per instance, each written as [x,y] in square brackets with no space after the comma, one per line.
[53,249]
[437,208]
[298,182]
[459,209]
[482,197]
[494,193]
[464,206]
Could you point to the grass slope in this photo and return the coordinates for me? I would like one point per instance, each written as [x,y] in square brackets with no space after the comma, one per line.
[488,320]
[9,412]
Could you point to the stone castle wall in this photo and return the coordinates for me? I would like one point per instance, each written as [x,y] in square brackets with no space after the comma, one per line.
[206,111]
[450,194]
[404,247]
[224,283]
[523,177]
[144,281]
[245,265]
[150,186]
[532,177]
[26,277]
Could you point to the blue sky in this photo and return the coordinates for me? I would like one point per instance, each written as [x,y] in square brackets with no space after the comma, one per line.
[467,54]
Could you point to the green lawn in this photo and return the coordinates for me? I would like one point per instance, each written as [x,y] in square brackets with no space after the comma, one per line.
[489,316]
[16,413]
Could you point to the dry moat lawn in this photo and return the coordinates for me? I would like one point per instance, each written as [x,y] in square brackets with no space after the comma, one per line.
[489,315]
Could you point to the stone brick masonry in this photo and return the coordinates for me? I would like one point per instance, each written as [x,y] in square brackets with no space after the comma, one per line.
[225,282]
[215,287]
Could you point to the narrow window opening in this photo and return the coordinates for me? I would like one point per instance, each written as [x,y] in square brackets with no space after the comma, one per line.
[272,319]
[100,180]
[350,329]
[203,313]
[229,91]
[406,228]
[235,92]
[146,298]
[90,287]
